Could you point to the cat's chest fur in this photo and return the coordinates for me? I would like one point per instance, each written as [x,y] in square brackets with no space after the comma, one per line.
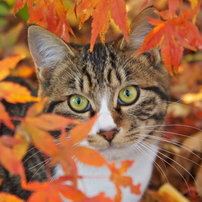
[97,179]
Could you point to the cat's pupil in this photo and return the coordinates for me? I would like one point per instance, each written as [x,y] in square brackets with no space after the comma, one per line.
[127,93]
[78,101]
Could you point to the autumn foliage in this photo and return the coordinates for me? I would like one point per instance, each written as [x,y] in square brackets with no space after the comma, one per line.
[175,31]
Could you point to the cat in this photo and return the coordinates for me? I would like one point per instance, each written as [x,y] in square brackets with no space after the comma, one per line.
[128,92]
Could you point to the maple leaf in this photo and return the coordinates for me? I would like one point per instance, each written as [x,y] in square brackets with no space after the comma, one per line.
[19,4]
[5,197]
[13,93]
[12,163]
[80,132]
[22,147]
[193,3]
[35,124]
[69,150]
[8,64]
[100,24]
[23,71]
[173,33]
[52,191]
[49,14]
[120,180]
[102,11]
[4,116]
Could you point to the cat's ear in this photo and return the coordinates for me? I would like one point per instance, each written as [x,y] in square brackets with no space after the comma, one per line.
[47,50]
[140,27]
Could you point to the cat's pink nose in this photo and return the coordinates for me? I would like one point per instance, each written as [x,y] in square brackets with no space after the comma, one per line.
[109,135]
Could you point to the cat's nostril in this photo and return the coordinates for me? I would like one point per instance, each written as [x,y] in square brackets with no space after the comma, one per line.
[109,135]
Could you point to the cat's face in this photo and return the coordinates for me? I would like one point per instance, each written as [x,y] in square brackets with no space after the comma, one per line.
[128,92]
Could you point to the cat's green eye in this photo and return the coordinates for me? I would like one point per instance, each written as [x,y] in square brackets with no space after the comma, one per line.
[79,103]
[128,95]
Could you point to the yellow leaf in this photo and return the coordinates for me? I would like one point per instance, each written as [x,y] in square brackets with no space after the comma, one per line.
[8,64]
[192,97]
[14,93]
[21,148]
[168,192]
[193,3]
[5,197]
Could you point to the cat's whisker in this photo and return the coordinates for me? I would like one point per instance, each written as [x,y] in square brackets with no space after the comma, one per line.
[155,163]
[170,125]
[179,134]
[151,148]
[161,140]
[44,163]
[179,100]
[35,153]
[176,154]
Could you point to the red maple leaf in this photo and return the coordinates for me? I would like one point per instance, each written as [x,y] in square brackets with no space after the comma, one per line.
[173,33]
[49,14]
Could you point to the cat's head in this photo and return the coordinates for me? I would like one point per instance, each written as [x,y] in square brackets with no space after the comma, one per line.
[128,92]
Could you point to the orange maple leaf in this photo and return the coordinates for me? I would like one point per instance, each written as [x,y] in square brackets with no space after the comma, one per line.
[36,123]
[23,71]
[102,11]
[119,179]
[5,197]
[4,116]
[12,162]
[51,191]
[69,150]
[173,33]
[8,64]
[14,92]
[19,4]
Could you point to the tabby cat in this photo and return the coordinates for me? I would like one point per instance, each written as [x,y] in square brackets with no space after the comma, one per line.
[129,93]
